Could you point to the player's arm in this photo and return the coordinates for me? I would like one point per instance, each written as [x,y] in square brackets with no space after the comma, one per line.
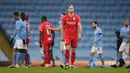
[54,29]
[62,28]
[40,35]
[121,34]
[53,37]
[99,37]
[62,32]
[79,30]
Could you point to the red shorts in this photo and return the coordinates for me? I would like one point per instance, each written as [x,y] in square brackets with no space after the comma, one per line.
[73,42]
[46,46]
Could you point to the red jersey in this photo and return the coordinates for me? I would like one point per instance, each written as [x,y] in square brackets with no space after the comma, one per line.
[70,24]
[46,34]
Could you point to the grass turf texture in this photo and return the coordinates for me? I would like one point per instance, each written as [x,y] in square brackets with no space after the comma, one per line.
[59,70]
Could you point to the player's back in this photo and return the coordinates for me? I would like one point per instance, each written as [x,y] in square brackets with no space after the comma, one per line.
[47,34]
[21,29]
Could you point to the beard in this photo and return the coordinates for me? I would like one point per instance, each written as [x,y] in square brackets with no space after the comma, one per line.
[94,27]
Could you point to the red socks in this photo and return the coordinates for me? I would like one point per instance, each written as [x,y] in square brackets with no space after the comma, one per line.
[47,58]
[73,56]
[67,56]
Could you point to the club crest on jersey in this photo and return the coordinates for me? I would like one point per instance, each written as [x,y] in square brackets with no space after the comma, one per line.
[73,18]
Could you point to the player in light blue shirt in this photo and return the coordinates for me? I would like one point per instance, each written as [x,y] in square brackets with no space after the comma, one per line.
[125,34]
[97,44]
[22,33]
[62,45]
[17,19]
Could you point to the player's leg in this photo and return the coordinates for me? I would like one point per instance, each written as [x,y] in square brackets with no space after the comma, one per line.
[14,58]
[27,60]
[67,50]
[74,44]
[14,55]
[92,53]
[99,50]
[47,55]
[21,53]
[62,46]
[121,50]
[52,59]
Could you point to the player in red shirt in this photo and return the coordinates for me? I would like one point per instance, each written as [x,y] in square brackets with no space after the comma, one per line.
[46,38]
[71,32]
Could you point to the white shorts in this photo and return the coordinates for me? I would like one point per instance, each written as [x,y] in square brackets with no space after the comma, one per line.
[96,50]
[19,44]
[62,45]
[124,47]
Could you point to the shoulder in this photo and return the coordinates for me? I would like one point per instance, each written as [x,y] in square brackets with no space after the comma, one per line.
[76,15]
[100,30]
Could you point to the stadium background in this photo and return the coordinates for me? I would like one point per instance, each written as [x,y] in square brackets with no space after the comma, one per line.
[110,15]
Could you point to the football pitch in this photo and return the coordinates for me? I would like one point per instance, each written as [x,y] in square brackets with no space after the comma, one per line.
[59,70]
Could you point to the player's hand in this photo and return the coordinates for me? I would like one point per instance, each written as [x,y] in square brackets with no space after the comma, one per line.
[24,41]
[62,38]
[128,41]
[79,37]
[122,35]
[128,36]
[47,27]
[129,54]
[11,41]
[40,44]
[52,43]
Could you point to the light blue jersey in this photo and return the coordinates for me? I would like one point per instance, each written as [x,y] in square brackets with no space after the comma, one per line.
[125,31]
[98,38]
[21,30]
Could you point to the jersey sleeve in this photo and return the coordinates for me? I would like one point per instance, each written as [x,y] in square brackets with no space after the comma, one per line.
[41,28]
[78,20]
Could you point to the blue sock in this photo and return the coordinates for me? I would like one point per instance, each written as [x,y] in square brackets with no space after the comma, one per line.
[14,57]
[90,60]
[17,58]
[118,58]
[22,58]
[63,58]
[102,60]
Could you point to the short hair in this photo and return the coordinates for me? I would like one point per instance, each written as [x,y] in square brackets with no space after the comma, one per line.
[23,15]
[63,13]
[69,5]
[16,13]
[95,22]
[44,18]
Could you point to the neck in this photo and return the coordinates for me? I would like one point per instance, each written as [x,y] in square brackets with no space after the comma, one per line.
[71,13]
[126,26]
[97,27]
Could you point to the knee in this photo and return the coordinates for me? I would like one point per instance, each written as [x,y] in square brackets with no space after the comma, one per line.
[91,54]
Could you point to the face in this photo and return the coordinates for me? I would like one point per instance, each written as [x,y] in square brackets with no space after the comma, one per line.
[94,25]
[15,18]
[61,16]
[126,22]
[71,9]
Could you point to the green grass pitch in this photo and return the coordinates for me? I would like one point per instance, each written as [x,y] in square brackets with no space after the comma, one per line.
[59,70]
